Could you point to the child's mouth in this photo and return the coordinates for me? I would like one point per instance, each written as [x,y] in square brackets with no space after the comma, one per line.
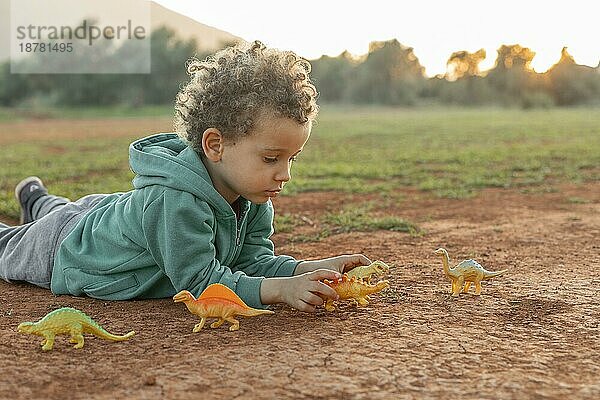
[273,193]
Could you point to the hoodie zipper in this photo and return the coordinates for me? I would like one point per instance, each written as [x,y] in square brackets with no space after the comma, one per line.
[238,227]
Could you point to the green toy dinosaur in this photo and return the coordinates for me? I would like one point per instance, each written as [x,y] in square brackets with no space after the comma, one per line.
[68,321]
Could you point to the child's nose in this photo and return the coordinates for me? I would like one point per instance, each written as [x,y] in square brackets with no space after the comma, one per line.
[284,175]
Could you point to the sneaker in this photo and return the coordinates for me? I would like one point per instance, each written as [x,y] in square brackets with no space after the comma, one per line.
[27,192]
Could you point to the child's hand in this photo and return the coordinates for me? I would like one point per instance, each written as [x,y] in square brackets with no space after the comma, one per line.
[339,264]
[303,292]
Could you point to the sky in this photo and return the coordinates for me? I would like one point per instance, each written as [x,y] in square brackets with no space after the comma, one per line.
[435,29]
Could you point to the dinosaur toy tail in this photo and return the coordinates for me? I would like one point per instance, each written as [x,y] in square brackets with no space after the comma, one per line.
[489,275]
[117,338]
[254,312]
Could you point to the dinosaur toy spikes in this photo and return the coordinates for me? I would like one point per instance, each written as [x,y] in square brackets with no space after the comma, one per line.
[217,301]
[353,288]
[465,273]
[70,321]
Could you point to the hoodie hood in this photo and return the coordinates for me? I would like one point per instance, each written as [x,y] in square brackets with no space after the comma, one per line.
[166,160]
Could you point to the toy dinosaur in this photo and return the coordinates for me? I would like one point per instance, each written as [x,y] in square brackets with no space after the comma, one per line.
[365,272]
[69,321]
[217,301]
[465,273]
[353,288]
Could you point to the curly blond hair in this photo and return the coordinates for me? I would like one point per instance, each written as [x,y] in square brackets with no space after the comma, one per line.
[232,88]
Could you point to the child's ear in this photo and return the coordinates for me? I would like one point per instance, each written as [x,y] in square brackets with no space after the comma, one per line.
[212,144]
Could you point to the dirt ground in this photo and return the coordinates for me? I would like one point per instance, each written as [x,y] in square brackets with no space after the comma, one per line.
[533,333]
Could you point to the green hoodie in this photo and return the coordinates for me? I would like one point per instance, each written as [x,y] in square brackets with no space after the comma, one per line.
[174,231]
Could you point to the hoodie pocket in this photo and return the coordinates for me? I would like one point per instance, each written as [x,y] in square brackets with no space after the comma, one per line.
[110,289]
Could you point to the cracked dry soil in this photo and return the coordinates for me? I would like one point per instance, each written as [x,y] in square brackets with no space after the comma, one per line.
[533,333]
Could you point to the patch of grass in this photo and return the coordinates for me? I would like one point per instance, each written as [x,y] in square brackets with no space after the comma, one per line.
[362,218]
[285,223]
[538,189]
[348,184]
[23,113]
[578,200]
[70,168]
[8,114]
[311,238]
[453,153]
[112,112]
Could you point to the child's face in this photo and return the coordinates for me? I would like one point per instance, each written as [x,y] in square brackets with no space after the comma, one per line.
[258,166]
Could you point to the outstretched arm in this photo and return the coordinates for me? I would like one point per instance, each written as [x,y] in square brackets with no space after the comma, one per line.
[339,264]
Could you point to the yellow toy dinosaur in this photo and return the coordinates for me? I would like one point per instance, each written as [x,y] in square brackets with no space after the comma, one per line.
[365,272]
[69,321]
[353,288]
[465,273]
[217,301]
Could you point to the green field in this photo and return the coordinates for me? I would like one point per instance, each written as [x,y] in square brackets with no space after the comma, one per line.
[22,113]
[450,152]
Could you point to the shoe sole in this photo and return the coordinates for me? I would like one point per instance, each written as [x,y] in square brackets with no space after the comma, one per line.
[18,190]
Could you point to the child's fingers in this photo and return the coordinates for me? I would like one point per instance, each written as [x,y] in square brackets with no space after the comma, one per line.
[356,260]
[360,259]
[321,274]
[312,299]
[302,306]
[364,259]
[324,291]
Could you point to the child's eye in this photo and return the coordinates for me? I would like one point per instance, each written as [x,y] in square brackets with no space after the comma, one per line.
[270,160]
[293,159]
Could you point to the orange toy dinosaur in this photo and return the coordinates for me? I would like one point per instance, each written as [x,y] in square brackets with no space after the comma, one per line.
[353,288]
[217,301]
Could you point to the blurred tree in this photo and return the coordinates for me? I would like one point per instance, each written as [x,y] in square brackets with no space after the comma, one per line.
[168,57]
[514,56]
[468,90]
[391,74]
[512,75]
[571,83]
[468,86]
[13,87]
[463,63]
[331,76]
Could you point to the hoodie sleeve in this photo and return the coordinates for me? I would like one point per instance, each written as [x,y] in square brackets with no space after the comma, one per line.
[181,241]
[257,257]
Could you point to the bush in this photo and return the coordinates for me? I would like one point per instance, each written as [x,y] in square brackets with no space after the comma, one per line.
[538,99]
